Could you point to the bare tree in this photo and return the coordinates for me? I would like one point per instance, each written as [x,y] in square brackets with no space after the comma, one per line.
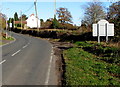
[64,16]
[93,13]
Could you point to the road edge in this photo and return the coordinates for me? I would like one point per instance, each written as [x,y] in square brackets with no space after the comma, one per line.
[9,42]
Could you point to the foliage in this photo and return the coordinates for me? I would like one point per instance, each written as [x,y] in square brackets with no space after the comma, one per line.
[2,20]
[24,17]
[55,23]
[11,20]
[47,24]
[64,16]
[83,68]
[84,44]
[106,53]
[114,17]
[10,38]
[41,21]
[67,26]
[4,37]
[16,16]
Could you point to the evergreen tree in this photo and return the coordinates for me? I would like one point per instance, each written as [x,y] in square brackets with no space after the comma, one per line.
[16,18]
[55,23]
[41,22]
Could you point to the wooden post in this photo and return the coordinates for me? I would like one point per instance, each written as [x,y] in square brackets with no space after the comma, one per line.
[10,27]
[106,29]
[6,27]
[55,9]
[21,19]
[36,13]
[98,33]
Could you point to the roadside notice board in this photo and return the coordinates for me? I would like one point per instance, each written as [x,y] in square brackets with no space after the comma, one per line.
[10,25]
[103,28]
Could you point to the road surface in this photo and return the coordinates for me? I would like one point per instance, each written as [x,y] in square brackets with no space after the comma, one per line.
[28,61]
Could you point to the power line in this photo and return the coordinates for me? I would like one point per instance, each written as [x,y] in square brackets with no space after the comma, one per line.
[29,8]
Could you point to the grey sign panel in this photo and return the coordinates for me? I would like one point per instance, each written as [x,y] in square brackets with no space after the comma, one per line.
[94,29]
[10,25]
[110,30]
[102,30]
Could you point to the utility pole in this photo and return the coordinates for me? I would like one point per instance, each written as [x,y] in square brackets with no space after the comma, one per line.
[14,23]
[21,19]
[55,9]
[10,26]
[6,24]
[35,1]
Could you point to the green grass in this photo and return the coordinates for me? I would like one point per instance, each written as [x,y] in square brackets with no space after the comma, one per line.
[9,38]
[106,53]
[3,38]
[1,43]
[84,68]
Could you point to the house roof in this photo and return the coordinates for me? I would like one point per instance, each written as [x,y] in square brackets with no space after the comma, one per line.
[18,22]
[32,15]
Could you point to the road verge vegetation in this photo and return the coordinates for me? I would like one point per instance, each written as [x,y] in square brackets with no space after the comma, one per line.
[4,40]
[89,63]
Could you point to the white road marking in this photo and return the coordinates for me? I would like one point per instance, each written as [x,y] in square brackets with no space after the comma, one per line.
[16,53]
[25,46]
[28,43]
[49,68]
[2,61]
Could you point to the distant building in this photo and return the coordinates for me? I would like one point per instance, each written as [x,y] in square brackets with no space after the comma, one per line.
[32,21]
[19,22]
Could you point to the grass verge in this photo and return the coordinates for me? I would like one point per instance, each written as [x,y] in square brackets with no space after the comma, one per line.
[5,40]
[86,68]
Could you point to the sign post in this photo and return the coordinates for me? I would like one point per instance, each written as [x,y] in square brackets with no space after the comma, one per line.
[106,32]
[98,33]
[103,28]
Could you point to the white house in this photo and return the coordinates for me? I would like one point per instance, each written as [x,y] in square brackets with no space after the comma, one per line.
[32,21]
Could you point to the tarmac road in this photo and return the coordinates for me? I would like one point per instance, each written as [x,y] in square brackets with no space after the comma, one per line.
[28,61]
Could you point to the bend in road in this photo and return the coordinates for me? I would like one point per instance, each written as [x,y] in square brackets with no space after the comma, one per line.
[27,62]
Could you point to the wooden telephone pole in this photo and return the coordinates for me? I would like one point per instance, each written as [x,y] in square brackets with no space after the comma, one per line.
[21,19]
[55,8]
[36,13]
[6,24]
